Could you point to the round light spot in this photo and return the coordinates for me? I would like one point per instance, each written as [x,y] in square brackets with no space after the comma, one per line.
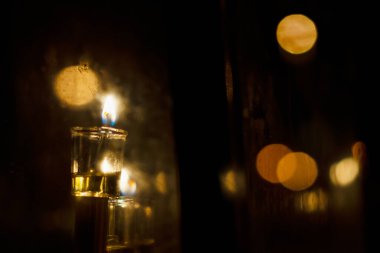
[267,161]
[76,85]
[296,34]
[297,171]
[344,172]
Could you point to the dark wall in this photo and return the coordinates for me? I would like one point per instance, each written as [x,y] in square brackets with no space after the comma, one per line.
[196,64]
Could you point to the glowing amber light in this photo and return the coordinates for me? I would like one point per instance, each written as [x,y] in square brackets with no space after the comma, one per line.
[161,182]
[359,152]
[230,181]
[344,172]
[148,212]
[267,161]
[297,171]
[233,182]
[296,34]
[76,85]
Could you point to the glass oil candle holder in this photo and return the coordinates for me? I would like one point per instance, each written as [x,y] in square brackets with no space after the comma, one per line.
[97,155]
[130,225]
[96,160]
[144,235]
[121,225]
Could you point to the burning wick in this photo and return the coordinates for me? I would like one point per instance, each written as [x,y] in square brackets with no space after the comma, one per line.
[109,110]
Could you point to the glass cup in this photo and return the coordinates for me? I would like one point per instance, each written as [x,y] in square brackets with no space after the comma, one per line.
[97,155]
[96,160]
[121,225]
[144,215]
[130,225]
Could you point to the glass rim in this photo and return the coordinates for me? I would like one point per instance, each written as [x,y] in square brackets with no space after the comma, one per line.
[103,130]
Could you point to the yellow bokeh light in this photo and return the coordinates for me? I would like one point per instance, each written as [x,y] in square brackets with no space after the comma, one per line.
[148,212]
[76,85]
[230,181]
[161,183]
[297,171]
[296,34]
[344,172]
[267,160]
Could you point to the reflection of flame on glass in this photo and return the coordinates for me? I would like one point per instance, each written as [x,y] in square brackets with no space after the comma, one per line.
[344,172]
[161,182]
[79,183]
[313,201]
[106,166]
[109,110]
[126,184]
[75,166]
[232,182]
[148,212]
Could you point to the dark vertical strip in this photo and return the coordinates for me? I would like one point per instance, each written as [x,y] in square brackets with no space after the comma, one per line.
[91,223]
[196,72]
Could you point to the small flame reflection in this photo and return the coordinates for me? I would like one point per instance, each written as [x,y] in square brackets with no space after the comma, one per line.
[106,166]
[161,183]
[233,183]
[312,201]
[230,181]
[126,184]
[148,212]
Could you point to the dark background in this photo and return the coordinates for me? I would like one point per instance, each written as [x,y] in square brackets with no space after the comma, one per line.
[180,51]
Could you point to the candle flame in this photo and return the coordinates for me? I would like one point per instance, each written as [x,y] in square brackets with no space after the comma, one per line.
[127,185]
[109,110]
